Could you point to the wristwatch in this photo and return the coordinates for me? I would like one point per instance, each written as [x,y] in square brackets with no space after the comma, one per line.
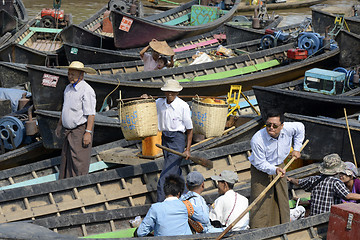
[89,131]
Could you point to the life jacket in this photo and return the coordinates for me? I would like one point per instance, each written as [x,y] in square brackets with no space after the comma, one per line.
[194,225]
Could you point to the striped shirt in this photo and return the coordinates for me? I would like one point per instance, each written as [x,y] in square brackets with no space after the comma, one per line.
[327,192]
[79,103]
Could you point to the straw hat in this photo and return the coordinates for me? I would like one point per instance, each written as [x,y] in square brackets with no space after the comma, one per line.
[332,164]
[162,47]
[76,65]
[171,86]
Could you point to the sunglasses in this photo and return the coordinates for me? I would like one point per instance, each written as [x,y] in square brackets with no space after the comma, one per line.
[268,125]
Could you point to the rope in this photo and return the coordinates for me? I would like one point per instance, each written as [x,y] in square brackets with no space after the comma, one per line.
[104,102]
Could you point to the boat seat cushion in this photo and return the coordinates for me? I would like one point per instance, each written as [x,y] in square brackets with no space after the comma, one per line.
[203,14]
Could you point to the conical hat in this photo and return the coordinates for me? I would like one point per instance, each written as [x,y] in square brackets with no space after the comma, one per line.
[162,47]
[76,65]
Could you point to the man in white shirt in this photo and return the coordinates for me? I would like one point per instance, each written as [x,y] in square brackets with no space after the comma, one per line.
[270,147]
[77,118]
[177,131]
[230,204]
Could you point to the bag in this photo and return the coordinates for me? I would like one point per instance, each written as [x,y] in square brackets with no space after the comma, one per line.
[194,225]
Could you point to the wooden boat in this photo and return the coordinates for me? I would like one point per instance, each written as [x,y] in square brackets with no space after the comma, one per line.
[307,103]
[46,170]
[321,19]
[243,7]
[118,188]
[106,129]
[25,155]
[108,224]
[237,33]
[195,79]
[35,45]
[92,55]
[333,134]
[13,15]
[349,44]
[90,32]
[170,25]
[12,74]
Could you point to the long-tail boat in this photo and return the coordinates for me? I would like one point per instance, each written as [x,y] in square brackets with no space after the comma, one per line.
[322,19]
[181,22]
[33,44]
[296,100]
[13,16]
[119,188]
[47,170]
[91,32]
[349,44]
[255,68]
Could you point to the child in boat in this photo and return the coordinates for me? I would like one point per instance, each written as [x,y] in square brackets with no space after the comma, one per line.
[157,47]
[162,63]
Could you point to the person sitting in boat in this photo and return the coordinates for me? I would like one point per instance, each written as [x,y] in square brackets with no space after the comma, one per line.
[170,217]
[195,185]
[349,177]
[230,204]
[157,47]
[326,189]
[162,63]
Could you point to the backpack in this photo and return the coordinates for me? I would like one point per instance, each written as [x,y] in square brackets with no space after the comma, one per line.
[194,225]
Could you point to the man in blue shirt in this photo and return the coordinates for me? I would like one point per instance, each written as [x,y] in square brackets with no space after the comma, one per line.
[170,217]
[270,147]
[195,184]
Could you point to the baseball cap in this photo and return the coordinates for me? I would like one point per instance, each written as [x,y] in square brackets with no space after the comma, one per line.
[194,179]
[227,176]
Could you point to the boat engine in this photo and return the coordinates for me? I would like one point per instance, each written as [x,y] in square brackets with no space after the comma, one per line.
[312,42]
[126,6]
[17,130]
[271,38]
[54,18]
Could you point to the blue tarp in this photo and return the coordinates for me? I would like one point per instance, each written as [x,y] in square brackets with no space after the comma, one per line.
[14,95]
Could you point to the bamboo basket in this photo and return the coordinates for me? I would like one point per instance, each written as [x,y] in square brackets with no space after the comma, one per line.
[138,119]
[208,119]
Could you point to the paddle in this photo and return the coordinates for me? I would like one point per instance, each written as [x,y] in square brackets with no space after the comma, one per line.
[351,143]
[262,194]
[198,160]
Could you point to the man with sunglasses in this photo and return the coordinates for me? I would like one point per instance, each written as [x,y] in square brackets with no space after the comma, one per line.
[270,147]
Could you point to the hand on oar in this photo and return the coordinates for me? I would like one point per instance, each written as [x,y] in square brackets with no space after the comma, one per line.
[198,160]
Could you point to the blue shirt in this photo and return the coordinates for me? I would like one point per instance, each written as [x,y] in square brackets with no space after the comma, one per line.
[199,202]
[168,218]
[268,152]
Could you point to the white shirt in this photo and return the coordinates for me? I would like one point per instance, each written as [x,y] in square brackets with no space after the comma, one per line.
[225,209]
[268,152]
[173,117]
[149,63]
[79,103]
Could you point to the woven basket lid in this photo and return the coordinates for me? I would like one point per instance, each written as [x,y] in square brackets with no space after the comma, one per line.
[162,47]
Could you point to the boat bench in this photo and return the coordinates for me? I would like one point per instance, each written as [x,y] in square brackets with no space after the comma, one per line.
[34,30]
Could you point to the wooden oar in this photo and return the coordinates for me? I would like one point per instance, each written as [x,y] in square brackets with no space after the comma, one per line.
[262,194]
[198,160]
[351,144]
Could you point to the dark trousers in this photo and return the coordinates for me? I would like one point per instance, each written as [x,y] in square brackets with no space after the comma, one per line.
[75,159]
[177,142]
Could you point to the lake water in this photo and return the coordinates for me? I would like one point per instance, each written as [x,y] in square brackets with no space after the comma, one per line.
[81,9]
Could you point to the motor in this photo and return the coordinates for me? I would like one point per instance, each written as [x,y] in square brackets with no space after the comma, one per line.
[312,42]
[17,130]
[54,18]
[271,38]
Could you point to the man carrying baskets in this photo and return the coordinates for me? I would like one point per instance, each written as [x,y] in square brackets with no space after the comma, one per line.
[77,118]
[174,120]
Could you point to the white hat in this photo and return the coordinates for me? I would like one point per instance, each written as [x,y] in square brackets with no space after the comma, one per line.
[76,65]
[171,86]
